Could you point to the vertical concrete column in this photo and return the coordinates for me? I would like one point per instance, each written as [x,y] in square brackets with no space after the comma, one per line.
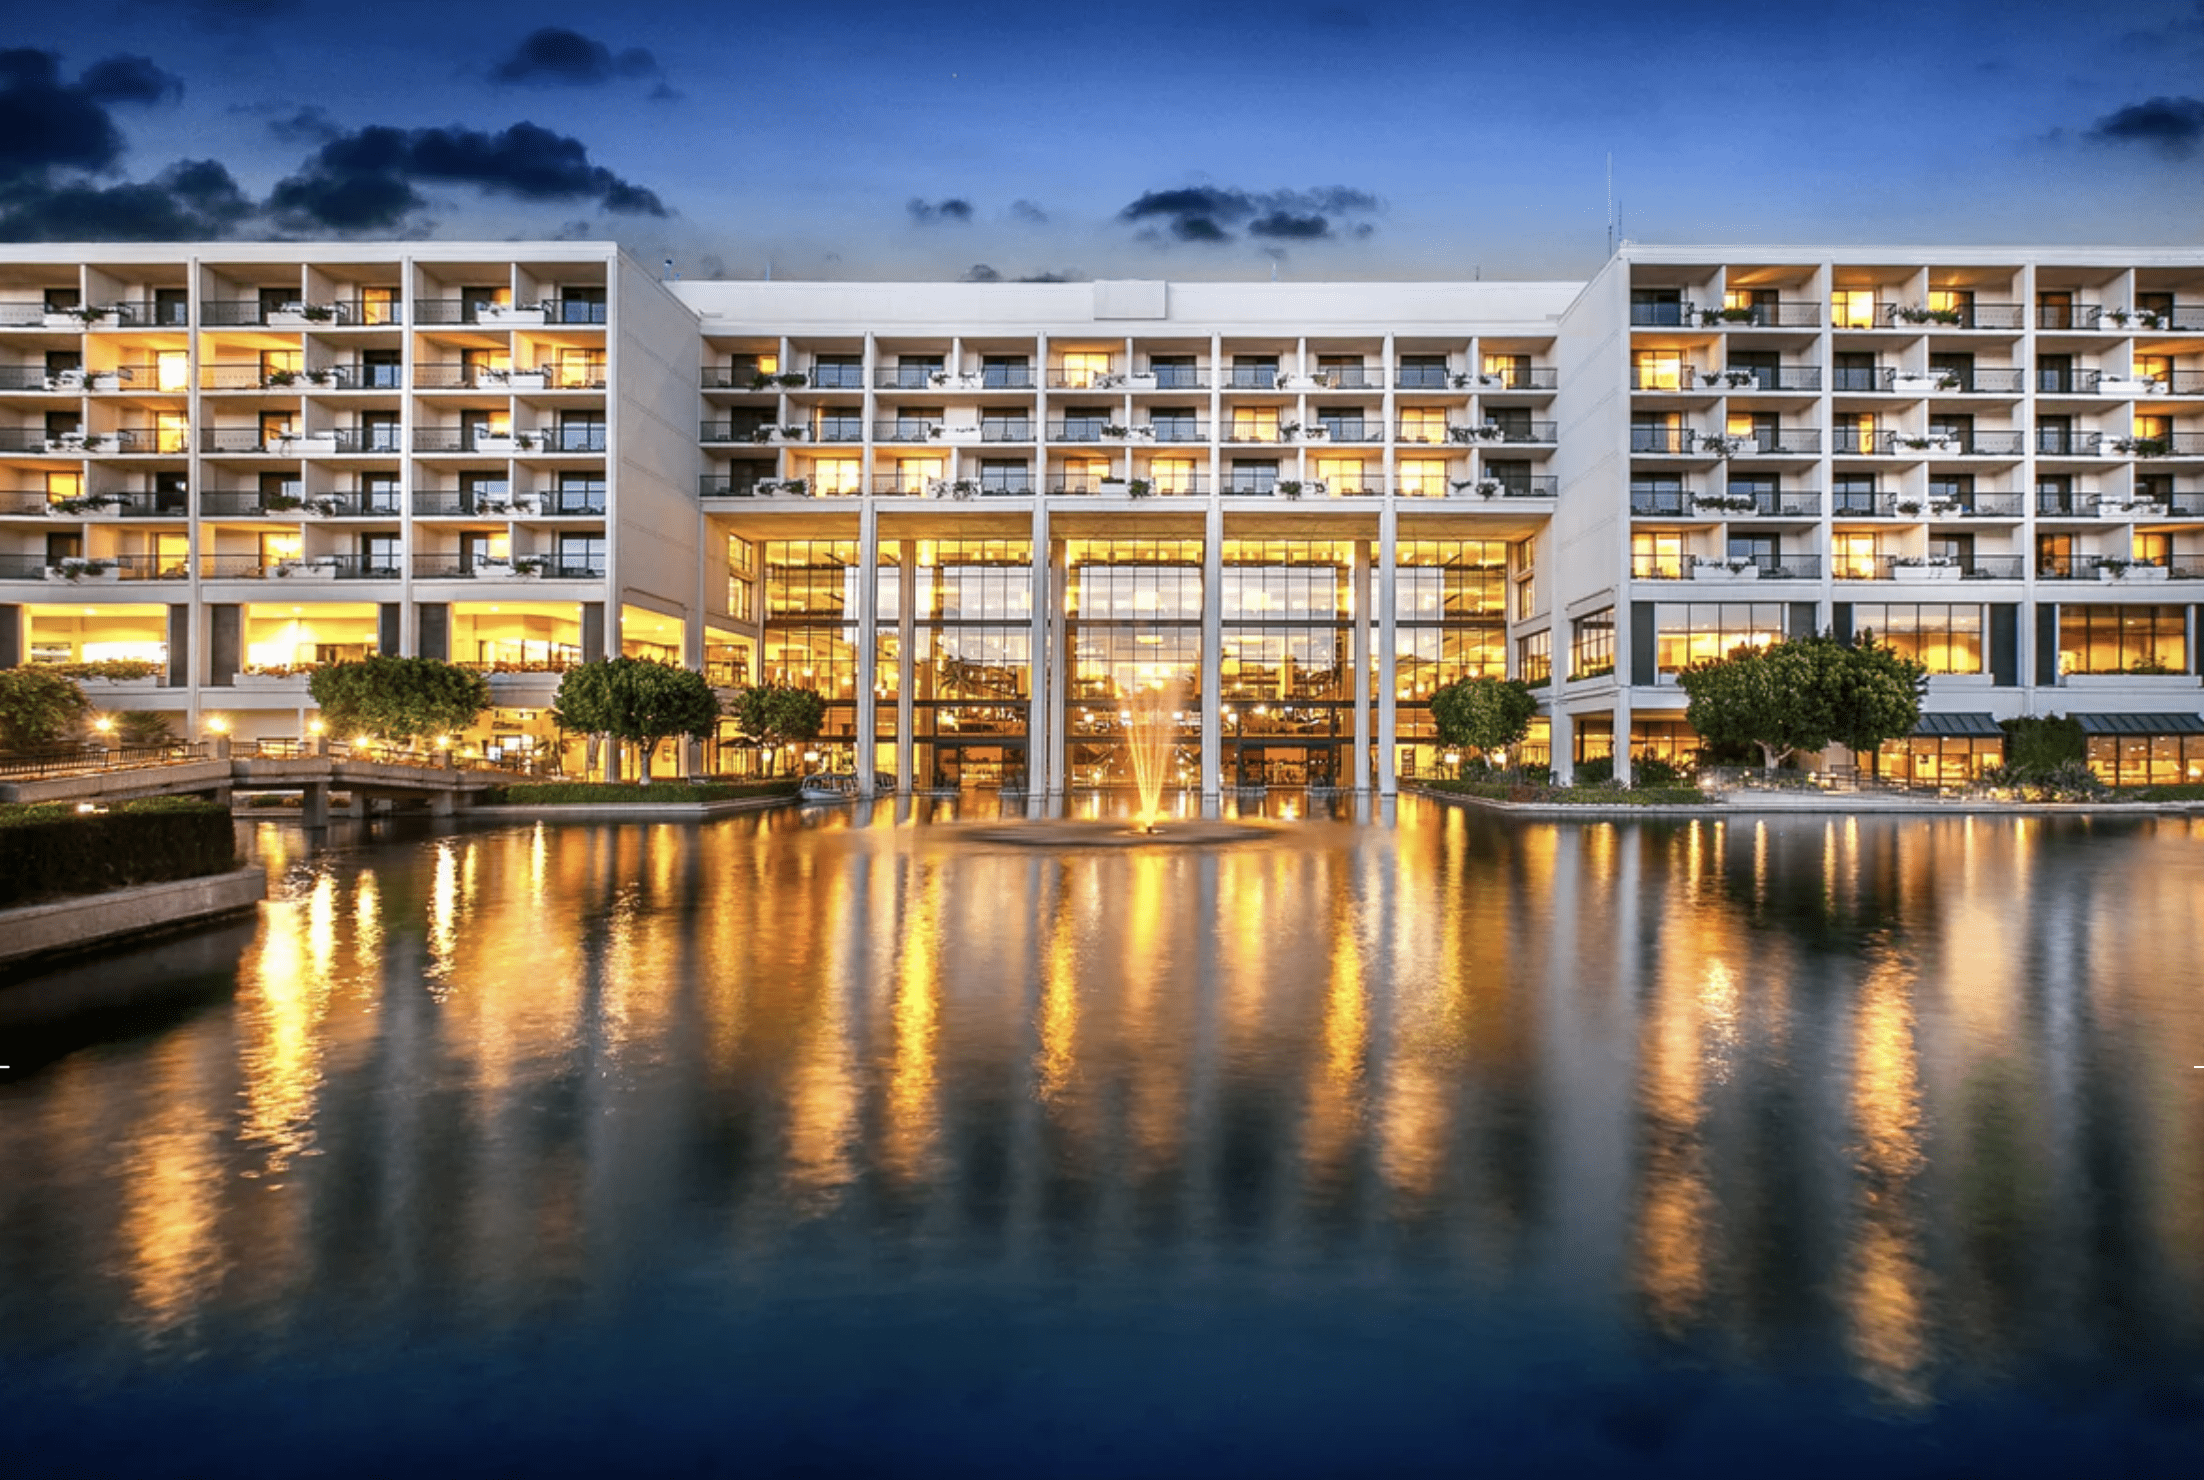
[313,805]
[1212,659]
[1622,735]
[1358,770]
[1564,747]
[1059,662]
[906,629]
[1041,682]
[1388,654]
[868,647]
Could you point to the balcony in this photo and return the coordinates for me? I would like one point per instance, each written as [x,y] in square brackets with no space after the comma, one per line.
[382,438]
[1977,506]
[1007,429]
[838,377]
[1775,378]
[1348,378]
[891,431]
[1428,378]
[1782,314]
[1772,442]
[1666,441]
[1538,485]
[300,568]
[1512,433]
[720,485]
[1998,380]
[1962,444]
[1863,379]
[1848,503]
[1930,569]
[2057,316]
[2166,444]
[1962,316]
[1343,431]
[1078,431]
[2064,442]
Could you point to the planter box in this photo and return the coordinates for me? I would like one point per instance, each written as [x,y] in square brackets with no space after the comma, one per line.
[527,380]
[1906,383]
[491,313]
[2135,574]
[297,318]
[65,446]
[109,576]
[1724,573]
[1140,382]
[957,434]
[1916,573]
[302,572]
[269,680]
[62,321]
[302,446]
[494,444]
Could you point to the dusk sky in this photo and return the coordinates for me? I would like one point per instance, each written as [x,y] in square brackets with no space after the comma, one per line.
[1334,139]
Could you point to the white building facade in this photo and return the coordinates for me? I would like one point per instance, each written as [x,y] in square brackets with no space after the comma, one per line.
[977,518]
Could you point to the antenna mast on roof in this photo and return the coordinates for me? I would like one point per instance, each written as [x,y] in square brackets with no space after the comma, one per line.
[1610,204]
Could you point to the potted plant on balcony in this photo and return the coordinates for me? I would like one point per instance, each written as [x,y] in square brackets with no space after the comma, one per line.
[281,503]
[1288,487]
[525,566]
[1486,487]
[84,503]
[1288,430]
[85,316]
[79,568]
[1115,430]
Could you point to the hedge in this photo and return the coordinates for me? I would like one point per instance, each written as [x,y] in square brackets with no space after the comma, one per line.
[614,793]
[1578,796]
[53,851]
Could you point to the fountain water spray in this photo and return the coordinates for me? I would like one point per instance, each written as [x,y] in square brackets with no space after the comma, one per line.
[1152,736]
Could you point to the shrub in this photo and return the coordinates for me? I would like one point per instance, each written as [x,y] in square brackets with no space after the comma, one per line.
[54,851]
[582,793]
[2040,745]
[38,708]
[1598,771]
[1652,771]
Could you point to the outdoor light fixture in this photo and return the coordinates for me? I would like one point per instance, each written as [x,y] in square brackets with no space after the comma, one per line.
[104,724]
[216,725]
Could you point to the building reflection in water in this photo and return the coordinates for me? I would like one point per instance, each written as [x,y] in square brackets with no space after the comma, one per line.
[1882,1092]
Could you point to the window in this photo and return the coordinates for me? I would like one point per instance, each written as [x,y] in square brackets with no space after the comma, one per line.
[1423,372]
[1658,555]
[581,431]
[1592,644]
[1006,373]
[1660,370]
[914,372]
[379,305]
[1341,474]
[1852,308]
[2055,374]
[1959,369]
[2055,435]
[1953,305]
[1425,424]
[1252,477]
[2123,639]
[381,369]
[581,306]
[1952,490]
[1659,493]
[582,554]
[1534,659]
[1513,372]
[478,489]
[2151,547]
[742,571]
[1855,555]
[1856,434]
[1856,372]
[1006,426]
[2055,555]
[379,493]
[1944,639]
[1709,631]
[1422,477]
[1176,423]
[578,370]
[837,475]
[1003,475]
[2055,310]
[1175,372]
[1174,475]
[1083,369]
[918,474]
[380,432]
[1658,432]
[379,555]
[838,372]
[1657,307]
[1514,477]
[579,493]
[1254,424]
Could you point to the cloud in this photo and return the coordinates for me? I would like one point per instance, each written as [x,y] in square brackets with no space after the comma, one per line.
[48,124]
[980,272]
[1211,213]
[932,213]
[191,200]
[558,57]
[308,125]
[366,180]
[1027,211]
[2172,126]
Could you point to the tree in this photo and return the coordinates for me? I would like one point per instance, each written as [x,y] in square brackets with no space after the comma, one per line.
[1485,714]
[38,708]
[144,727]
[398,699]
[636,701]
[1804,693]
[772,715]
[1877,696]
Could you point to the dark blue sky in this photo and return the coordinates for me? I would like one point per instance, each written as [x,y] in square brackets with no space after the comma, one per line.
[1335,139]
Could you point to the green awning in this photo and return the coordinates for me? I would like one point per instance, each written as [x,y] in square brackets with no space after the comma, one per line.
[2141,724]
[1959,727]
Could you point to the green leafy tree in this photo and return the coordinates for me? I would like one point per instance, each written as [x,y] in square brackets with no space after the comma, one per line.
[1483,714]
[38,709]
[144,727]
[398,699]
[636,701]
[772,715]
[1876,694]
[1802,694]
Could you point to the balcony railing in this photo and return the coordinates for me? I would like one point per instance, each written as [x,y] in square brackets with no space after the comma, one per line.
[2068,567]
[1348,378]
[1361,432]
[22,567]
[1977,506]
[2068,315]
[1538,485]
[2065,442]
[1251,377]
[1863,379]
[1773,378]
[1082,379]
[1519,378]
[1998,380]
[1006,429]
[892,431]
[1662,502]
[1857,442]
[379,438]
[1181,378]
[1423,378]
[1774,442]
[1518,433]
[1784,314]
[722,485]
[1665,440]
[1847,503]
[1677,377]
[910,377]
[838,377]
[1075,431]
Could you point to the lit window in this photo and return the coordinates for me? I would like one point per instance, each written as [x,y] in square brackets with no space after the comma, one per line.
[838,475]
[1422,478]
[1426,424]
[1657,555]
[1660,370]
[1852,308]
[1083,368]
[1172,474]
[172,370]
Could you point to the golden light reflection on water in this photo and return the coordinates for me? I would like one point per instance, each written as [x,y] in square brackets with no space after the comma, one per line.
[1885,1297]
[1670,1062]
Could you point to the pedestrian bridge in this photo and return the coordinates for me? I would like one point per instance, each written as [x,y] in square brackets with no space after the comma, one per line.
[218,771]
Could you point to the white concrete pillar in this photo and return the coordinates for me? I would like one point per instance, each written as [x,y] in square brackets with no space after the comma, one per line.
[1564,747]
[906,626]
[1212,659]
[1059,663]
[1041,681]
[868,649]
[1358,770]
[1388,655]
[1622,736]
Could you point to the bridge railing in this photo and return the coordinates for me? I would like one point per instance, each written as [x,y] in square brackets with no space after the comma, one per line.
[92,759]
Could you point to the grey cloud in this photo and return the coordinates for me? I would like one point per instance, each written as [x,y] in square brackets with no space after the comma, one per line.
[2172,126]
[191,200]
[1212,214]
[366,180]
[48,124]
[954,209]
[558,56]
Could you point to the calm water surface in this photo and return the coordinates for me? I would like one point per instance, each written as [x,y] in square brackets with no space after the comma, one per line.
[832,1143]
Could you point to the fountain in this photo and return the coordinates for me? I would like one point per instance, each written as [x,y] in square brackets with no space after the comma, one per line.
[1151,738]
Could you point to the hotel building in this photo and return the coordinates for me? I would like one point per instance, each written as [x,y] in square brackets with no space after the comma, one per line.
[977,516]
